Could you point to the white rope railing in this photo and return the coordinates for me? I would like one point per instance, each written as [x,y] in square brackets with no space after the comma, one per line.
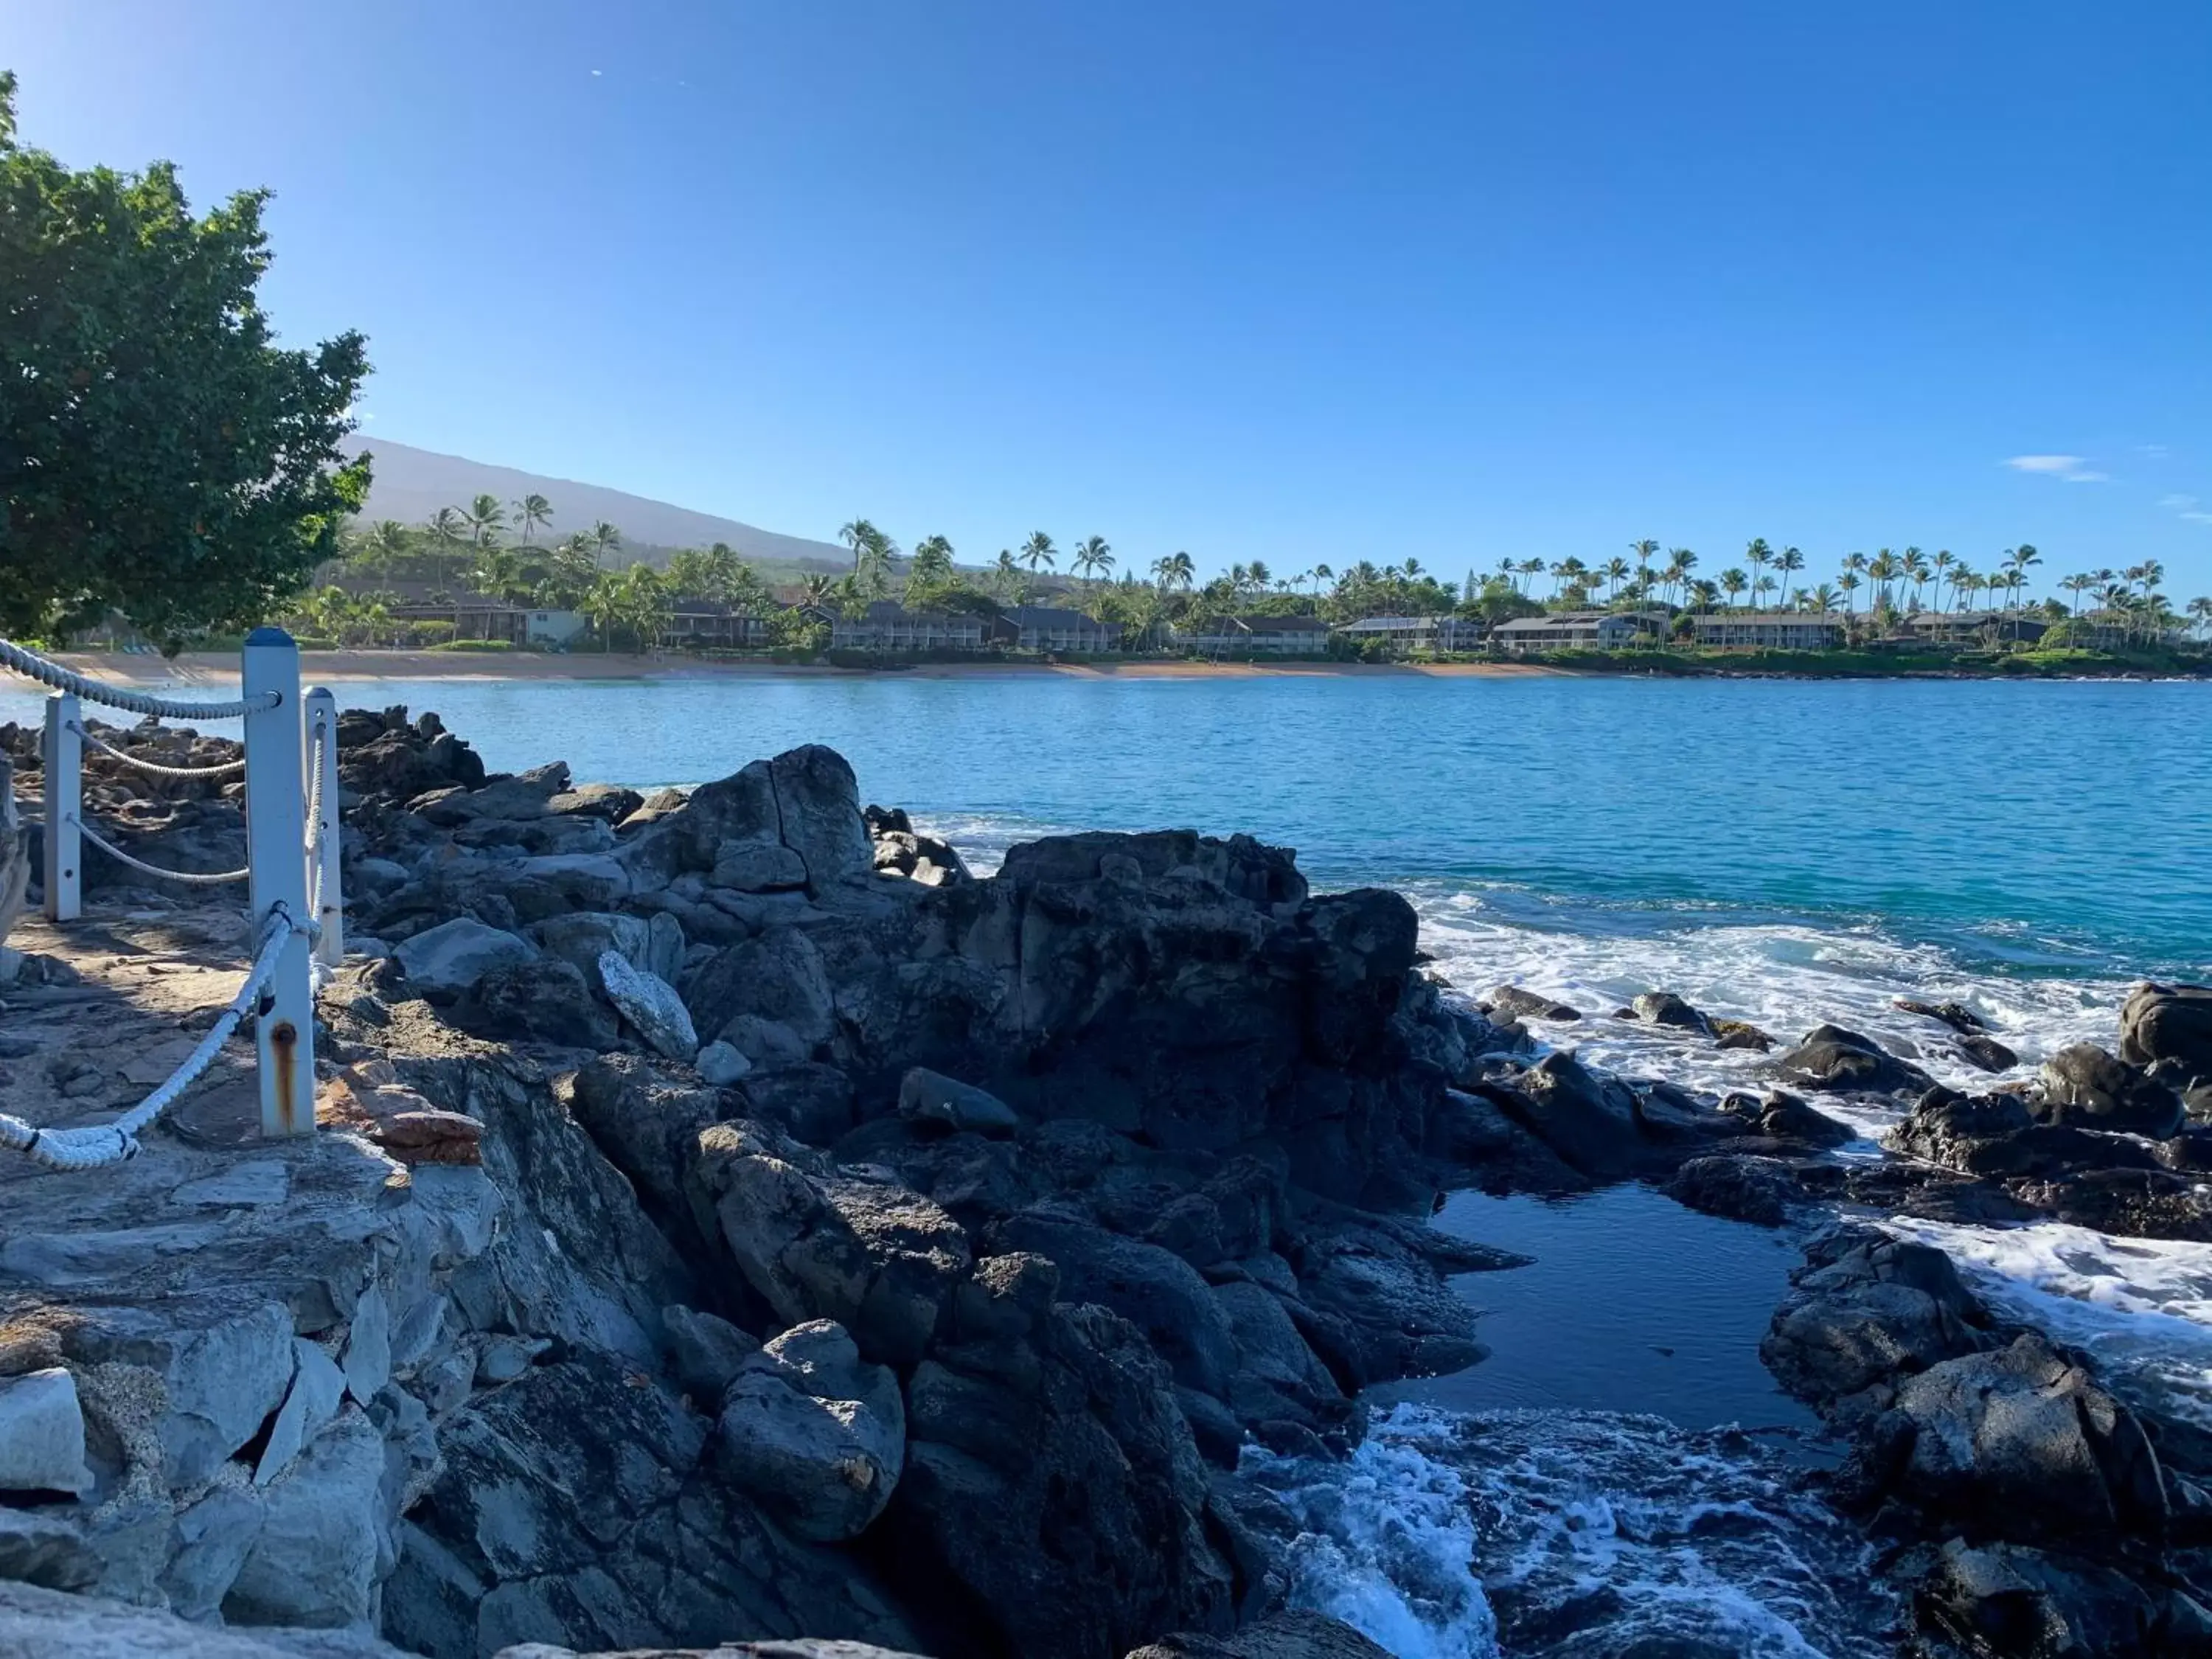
[279,843]
[98,1144]
[190,877]
[222,770]
[35,667]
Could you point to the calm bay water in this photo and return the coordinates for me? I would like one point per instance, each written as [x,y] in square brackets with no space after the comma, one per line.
[2051,826]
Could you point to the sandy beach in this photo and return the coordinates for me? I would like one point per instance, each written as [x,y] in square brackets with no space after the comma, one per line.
[340,666]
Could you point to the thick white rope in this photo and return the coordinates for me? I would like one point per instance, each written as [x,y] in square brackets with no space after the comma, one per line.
[190,877]
[315,753]
[222,771]
[35,667]
[92,1147]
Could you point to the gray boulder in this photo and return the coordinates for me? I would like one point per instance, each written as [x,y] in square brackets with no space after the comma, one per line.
[42,1434]
[1760,1190]
[779,977]
[769,1044]
[758,866]
[1515,1003]
[582,936]
[444,961]
[722,1064]
[2084,1087]
[1845,1062]
[814,1435]
[2005,1599]
[819,804]
[2171,1023]
[926,1094]
[1867,1311]
[547,1001]
[706,1351]
[2021,1442]
[817,1243]
[1589,1120]
[1665,1008]
[651,1006]
[315,1559]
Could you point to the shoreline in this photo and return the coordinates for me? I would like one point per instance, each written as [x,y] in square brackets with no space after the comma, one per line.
[371,666]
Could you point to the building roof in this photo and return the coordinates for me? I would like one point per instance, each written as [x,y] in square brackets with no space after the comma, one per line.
[889,613]
[1392,624]
[1773,618]
[1283,625]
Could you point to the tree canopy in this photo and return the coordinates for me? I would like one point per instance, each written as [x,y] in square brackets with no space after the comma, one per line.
[160,455]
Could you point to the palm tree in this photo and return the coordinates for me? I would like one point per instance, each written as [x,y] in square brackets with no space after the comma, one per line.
[1039,551]
[1856,564]
[1733,583]
[1884,569]
[386,544]
[2078,584]
[1091,556]
[1644,551]
[1679,563]
[2200,613]
[1756,553]
[1944,563]
[1823,599]
[444,527]
[1916,572]
[605,538]
[486,519]
[1848,581]
[1790,562]
[1615,572]
[933,560]
[1322,574]
[2020,559]
[531,510]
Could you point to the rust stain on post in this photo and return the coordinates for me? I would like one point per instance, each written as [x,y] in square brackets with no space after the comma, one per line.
[284,1045]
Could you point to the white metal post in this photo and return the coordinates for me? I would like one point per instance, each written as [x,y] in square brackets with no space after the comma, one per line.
[64,845]
[322,847]
[276,853]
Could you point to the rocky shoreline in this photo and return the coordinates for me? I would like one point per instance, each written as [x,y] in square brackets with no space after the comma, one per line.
[735,1218]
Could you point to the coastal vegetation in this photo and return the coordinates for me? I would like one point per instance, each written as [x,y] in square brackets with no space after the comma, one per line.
[160,458]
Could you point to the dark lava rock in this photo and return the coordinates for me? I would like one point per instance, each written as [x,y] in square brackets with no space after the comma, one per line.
[1588,1120]
[1845,1062]
[1780,1115]
[2084,1085]
[544,1001]
[2169,1023]
[1665,1008]
[2006,1600]
[2018,1442]
[1996,1135]
[1867,1311]
[1283,1636]
[1957,1016]
[1517,1004]
[1741,1034]
[1985,1053]
[1760,1191]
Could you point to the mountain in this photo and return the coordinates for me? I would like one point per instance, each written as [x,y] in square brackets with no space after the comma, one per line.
[410,485]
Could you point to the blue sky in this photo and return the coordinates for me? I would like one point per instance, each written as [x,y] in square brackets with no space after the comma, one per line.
[1256,278]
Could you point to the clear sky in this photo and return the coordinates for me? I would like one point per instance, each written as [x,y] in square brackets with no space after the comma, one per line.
[1256,278]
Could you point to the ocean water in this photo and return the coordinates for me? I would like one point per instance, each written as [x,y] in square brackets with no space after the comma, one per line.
[1782,852]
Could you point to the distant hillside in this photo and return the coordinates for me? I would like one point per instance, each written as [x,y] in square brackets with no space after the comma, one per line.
[410,485]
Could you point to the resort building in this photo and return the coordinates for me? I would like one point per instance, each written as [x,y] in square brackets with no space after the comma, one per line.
[1407,635]
[1963,629]
[1252,636]
[702,624]
[1770,630]
[1047,628]
[1581,631]
[886,625]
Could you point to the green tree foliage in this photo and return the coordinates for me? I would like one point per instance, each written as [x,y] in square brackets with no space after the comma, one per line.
[159,456]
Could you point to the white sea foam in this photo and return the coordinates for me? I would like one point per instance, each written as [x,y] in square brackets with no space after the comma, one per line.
[1556,1532]
[1785,976]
